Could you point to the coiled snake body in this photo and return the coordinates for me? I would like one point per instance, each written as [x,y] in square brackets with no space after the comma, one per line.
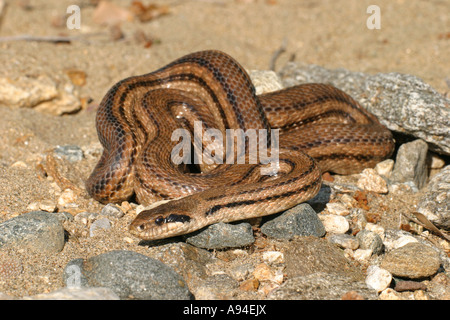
[321,129]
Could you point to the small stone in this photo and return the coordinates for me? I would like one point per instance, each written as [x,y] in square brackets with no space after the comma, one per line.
[263,272]
[100,224]
[67,199]
[337,209]
[370,240]
[390,294]
[409,286]
[85,217]
[411,163]
[273,257]
[412,261]
[241,271]
[265,81]
[371,181]
[112,210]
[384,168]
[71,153]
[379,230]
[334,223]
[362,255]
[377,278]
[344,241]
[301,220]
[222,235]
[249,285]
[37,230]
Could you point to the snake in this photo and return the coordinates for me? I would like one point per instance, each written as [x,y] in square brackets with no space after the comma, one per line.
[320,129]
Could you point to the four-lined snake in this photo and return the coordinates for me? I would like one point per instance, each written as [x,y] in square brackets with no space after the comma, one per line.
[321,129]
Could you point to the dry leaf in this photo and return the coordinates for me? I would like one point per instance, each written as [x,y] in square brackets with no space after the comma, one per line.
[110,14]
[146,13]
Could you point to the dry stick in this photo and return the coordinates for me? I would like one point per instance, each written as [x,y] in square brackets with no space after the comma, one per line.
[53,39]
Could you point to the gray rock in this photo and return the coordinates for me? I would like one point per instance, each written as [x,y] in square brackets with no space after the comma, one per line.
[404,103]
[130,275]
[370,240]
[76,294]
[411,163]
[100,224]
[38,231]
[321,286]
[112,210]
[301,220]
[69,152]
[344,240]
[435,203]
[412,261]
[223,235]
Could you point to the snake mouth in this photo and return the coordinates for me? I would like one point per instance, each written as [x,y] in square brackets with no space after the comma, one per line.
[159,227]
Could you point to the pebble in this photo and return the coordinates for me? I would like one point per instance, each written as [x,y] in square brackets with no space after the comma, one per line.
[300,220]
[412,261]
[334,223]
[37,231]
[273,256]
[337,209]
[370,240]
[384,168]
[68,199]
[409,286]
[130,275]
[379,230]
[43,205]
[112,210]
[377,278]
[362,255]
[71,153]
[411,163]
[344,241]
[100,224]
[86,217]
[370,181]
[223,235]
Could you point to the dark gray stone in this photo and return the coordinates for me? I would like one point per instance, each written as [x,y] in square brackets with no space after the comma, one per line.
[301,220]
[222,235]
[38,231]
[130,275]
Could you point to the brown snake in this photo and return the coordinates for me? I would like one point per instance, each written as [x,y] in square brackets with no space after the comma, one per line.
[321,129]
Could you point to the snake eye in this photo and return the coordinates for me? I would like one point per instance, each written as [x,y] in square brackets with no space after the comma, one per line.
[159,221]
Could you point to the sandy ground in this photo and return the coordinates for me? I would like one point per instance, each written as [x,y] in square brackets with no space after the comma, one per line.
[414,38]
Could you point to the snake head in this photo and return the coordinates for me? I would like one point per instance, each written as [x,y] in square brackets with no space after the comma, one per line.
[166,220]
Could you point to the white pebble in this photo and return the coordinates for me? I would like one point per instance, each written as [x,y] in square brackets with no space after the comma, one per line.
[375,228]
[377,278]
[273,256]
[334,223]
[362,255]
[384,168]
[337,208]
[371,181]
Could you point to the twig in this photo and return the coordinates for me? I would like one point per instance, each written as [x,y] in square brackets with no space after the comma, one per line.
[52,39]
[277,54]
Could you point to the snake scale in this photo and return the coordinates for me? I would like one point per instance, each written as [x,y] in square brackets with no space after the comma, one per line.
[320,127]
